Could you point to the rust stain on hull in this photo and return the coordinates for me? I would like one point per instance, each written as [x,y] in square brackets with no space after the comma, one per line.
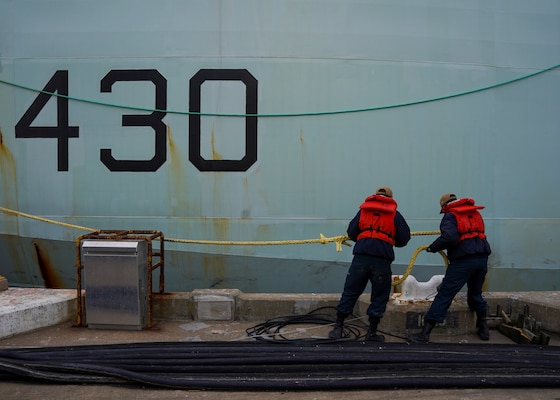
[215,154]
[48,271]
[177,179]
[216,271]
[8,194]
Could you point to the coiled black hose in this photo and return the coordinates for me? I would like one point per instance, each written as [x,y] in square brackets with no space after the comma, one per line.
[273,329]
[262,365]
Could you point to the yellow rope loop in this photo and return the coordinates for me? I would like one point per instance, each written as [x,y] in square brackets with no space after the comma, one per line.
[342,240]
[413,259]
[339,241]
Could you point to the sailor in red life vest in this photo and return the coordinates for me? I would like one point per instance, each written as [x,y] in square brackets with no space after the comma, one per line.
[376,228]
[462,234]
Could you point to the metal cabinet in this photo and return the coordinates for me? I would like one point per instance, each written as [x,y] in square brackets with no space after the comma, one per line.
[116,283]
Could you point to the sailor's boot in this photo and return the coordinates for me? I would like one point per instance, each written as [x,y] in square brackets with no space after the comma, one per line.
[371,335]
[424,335]
[338,329]
[482,326]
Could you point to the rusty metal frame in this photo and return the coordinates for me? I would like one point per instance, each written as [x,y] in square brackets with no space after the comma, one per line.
[147,236]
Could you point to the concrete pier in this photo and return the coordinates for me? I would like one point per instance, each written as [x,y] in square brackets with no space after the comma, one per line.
[32,318]
[27,309]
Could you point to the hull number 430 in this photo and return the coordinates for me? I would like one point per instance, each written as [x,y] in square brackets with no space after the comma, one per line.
[63,131]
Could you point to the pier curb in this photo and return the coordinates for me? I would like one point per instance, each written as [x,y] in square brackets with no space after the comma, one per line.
[27,309]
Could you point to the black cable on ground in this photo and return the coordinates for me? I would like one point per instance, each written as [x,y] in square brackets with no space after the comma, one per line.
[276,329]
[262,365]
[304,364]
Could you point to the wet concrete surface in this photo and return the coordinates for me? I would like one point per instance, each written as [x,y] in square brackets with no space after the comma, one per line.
[65,334]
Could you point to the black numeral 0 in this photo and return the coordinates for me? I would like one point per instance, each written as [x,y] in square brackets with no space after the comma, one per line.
[251,85]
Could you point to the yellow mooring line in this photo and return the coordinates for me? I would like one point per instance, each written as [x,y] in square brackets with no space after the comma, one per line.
[338,240]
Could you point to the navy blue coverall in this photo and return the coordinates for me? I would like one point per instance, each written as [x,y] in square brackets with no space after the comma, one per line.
[468,264]
[371,263]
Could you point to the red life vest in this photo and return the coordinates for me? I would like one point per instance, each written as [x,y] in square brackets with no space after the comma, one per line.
[469,221]
[377,218]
